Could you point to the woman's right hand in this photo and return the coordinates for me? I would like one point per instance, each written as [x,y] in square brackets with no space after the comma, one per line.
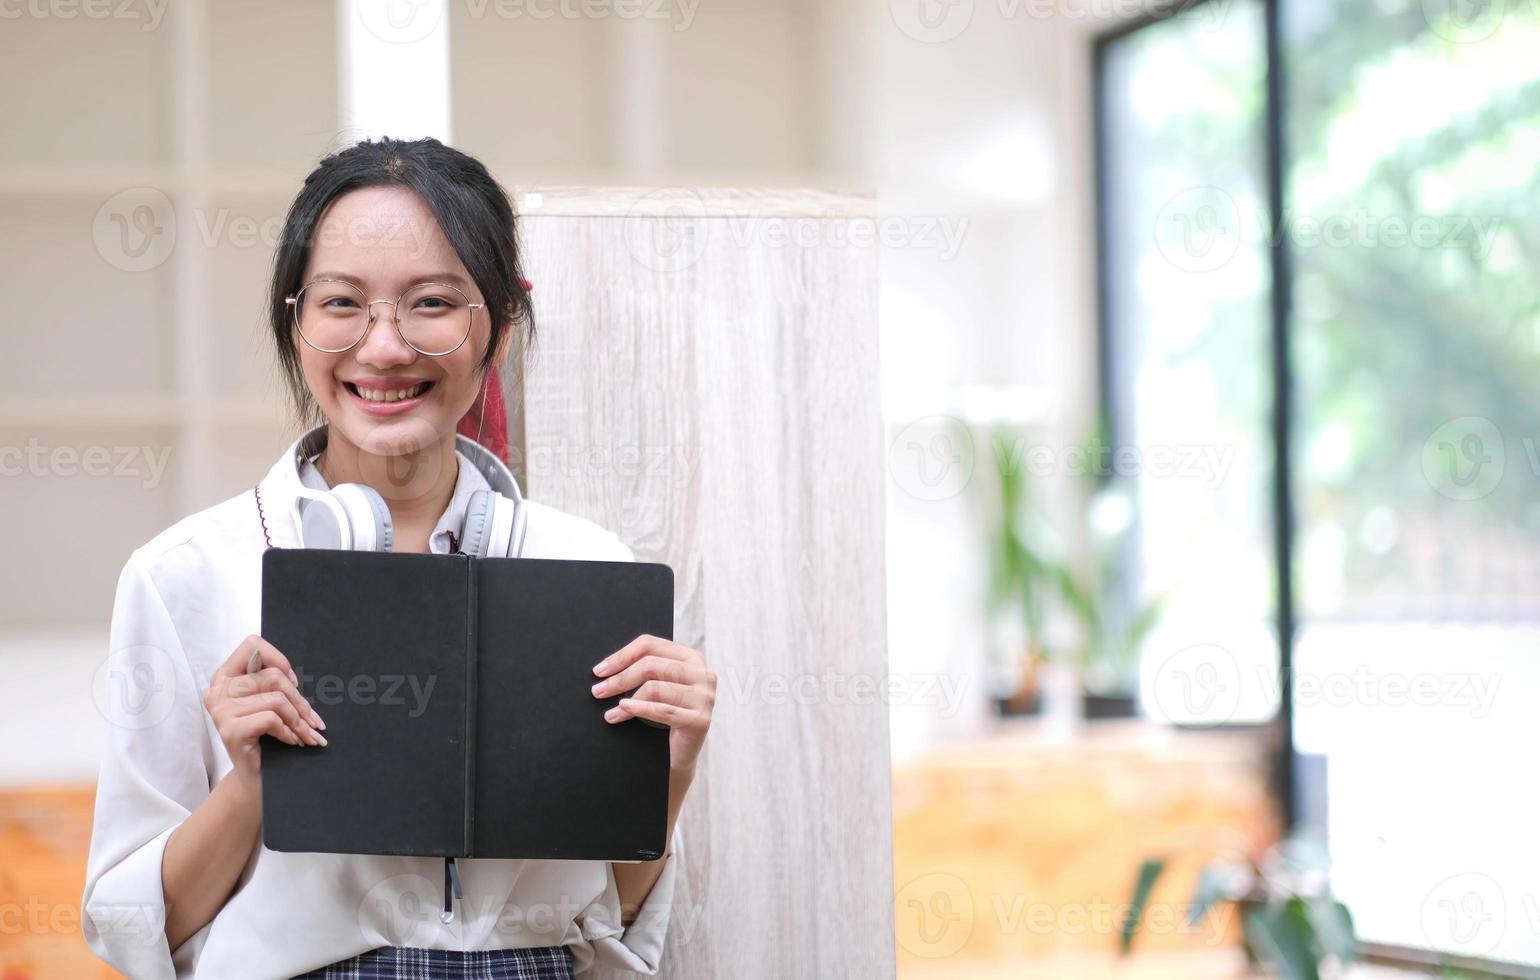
[246,706]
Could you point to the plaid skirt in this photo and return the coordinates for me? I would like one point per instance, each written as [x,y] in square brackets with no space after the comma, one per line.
[413,963]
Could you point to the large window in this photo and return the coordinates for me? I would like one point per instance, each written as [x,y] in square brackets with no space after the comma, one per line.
[1186,299]
[1409,172]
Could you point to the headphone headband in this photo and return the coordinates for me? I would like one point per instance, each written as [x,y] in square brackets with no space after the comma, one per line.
[354,515]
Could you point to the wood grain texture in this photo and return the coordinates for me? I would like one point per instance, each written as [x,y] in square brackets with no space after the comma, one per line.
[708,389]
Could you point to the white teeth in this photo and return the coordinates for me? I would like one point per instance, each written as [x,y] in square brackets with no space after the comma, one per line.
[380,395]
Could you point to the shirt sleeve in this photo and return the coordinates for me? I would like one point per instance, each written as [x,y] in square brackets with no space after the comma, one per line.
[153,774]
[622,550]
[639,946]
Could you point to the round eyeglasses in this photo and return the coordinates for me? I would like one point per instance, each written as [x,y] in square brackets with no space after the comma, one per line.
[332,315]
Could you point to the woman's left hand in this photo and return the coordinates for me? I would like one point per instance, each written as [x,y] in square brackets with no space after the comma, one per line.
[673,686]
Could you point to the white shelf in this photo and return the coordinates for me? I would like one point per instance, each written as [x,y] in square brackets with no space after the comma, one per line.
[135,411]
[103,182]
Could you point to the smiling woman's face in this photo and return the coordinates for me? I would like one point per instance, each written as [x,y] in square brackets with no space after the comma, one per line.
[386,240]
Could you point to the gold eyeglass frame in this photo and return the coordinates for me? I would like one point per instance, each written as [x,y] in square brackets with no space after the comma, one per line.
[395,319]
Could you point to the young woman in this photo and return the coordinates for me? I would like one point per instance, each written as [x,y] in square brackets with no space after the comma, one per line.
[396,290]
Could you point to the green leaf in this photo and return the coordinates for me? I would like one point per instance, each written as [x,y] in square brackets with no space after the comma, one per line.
[1333,927]
[1149,873]
[1281,937]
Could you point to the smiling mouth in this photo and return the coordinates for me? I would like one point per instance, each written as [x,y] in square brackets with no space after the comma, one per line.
[381,396]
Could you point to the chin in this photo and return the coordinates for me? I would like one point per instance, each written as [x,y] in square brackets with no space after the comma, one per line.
[394,436]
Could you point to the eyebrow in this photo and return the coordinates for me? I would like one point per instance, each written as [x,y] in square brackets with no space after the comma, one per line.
[449,277]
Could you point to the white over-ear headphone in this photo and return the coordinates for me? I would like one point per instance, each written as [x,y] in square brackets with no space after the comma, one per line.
[354,517]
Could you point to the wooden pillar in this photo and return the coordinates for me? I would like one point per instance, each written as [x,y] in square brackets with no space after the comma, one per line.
[705,384]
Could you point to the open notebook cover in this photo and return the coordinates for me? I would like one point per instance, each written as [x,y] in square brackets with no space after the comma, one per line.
[459,718]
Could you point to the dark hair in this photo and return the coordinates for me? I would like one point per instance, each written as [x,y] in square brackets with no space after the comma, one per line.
[471,207]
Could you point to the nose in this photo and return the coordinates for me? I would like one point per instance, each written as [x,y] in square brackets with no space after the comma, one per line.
[382,345]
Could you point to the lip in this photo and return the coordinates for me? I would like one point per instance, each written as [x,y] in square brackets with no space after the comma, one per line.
[386,409]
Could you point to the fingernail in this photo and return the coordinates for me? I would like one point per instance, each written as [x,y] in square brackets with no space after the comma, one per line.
[599,687]
[612,714]
[321,737]
[319,723]
[293,677]
[599,667]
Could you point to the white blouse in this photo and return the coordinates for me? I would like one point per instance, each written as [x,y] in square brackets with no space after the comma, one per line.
[184,602]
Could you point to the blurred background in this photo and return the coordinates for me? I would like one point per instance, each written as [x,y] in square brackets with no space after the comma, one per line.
[1205,337]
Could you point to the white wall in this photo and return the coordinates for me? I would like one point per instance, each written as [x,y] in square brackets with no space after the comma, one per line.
[990,128]
[982,137]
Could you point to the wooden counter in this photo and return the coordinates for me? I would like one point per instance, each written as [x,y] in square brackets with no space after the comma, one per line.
[1015,854]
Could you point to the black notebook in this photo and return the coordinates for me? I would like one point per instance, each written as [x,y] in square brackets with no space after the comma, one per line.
[459,716]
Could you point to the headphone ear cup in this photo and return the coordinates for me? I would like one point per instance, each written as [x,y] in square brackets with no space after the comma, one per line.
[500,527]
[324,523]
[368,516]
[475,532]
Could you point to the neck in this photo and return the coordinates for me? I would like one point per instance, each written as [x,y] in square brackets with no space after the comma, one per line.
[416,485]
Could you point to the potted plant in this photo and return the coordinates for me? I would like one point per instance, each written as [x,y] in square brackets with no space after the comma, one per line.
[1020,582]
[1030,582]
[1112,629]
[1290,921]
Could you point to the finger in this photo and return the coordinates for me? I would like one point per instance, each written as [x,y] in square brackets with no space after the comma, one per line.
[240,659]
[250,727]
[671,715]
[666,692]
[277,702]
[649,668]
[640,647]
[273,657]
[273,679]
